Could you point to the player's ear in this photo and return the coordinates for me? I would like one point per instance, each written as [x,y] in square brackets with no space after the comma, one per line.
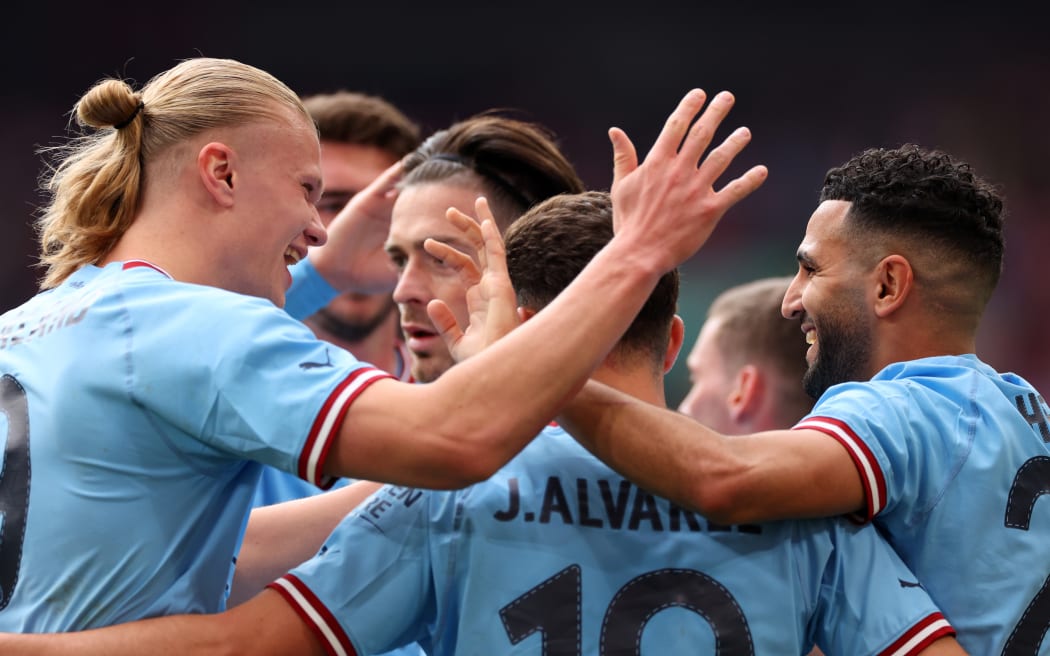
[674,342]
[746,397]
[524,313]
[216,163]
[894,281]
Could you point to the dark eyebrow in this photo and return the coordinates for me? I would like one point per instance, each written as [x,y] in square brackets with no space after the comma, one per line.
[452,240]
[803,257]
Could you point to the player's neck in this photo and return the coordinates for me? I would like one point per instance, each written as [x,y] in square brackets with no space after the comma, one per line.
[638,381]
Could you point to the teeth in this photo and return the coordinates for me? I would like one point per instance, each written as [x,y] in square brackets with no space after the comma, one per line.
[811,336]
[291,254]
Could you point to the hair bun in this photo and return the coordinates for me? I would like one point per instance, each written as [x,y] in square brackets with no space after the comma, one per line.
[110,103]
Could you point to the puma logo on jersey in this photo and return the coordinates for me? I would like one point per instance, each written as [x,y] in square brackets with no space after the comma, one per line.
[318,365]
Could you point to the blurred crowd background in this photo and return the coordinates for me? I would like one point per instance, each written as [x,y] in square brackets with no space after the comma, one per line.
[815,85]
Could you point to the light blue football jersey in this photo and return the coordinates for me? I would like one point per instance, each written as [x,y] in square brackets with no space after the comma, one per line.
[557,555]
[131,404]
[954,461]
[308,293]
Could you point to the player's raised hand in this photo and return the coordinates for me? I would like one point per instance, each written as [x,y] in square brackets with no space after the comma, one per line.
[353,258]
[491,302]
[668,206]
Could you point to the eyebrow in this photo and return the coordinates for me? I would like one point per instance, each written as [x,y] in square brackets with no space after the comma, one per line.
[803,257]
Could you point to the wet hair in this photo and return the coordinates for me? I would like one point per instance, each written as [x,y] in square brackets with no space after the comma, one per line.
[364,120]
[929,198]
[516,164]
[752,329]
[551,243]
[94,181]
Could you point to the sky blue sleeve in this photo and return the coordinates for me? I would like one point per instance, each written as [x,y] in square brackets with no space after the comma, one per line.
[902,437]
[370,586]
[244,380]
[870,602]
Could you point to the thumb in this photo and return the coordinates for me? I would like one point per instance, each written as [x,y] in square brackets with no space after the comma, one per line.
[625,158]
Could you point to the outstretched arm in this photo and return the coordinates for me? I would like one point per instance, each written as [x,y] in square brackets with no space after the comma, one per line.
[264,626]
[730,479]
[443,434]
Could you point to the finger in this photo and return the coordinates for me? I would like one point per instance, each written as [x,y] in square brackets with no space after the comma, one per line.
[459,261]
[484,212]
[719,159]
[700,135]
[743,186]
[444,322]
[468,227]
[625,157]
[495,253]
[677,124]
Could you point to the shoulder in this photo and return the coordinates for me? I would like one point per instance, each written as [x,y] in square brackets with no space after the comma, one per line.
[925,383]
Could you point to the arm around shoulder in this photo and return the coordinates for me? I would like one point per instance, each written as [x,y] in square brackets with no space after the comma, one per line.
[729,479]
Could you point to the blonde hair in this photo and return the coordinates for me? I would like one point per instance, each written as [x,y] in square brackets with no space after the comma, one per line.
[95,185]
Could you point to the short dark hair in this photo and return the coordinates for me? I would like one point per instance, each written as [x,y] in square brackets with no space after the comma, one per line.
[517,164]
[927,196]
[551,243]
[361,119]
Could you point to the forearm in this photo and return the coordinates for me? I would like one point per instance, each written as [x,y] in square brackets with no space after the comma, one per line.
[464,426]
[664,452]
[281,536]
[730,479]
[177,635]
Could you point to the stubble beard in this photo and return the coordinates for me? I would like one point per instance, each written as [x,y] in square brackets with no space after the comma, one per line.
[844,351]
[351,331]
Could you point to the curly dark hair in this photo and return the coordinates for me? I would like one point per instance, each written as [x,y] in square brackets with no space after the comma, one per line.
[926,195]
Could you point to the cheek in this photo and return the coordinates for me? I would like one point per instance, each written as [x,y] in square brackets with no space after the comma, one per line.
[455,296]
[811,300]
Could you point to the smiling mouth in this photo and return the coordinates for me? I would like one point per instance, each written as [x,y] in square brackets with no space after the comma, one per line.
[811,336]
[292,256]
